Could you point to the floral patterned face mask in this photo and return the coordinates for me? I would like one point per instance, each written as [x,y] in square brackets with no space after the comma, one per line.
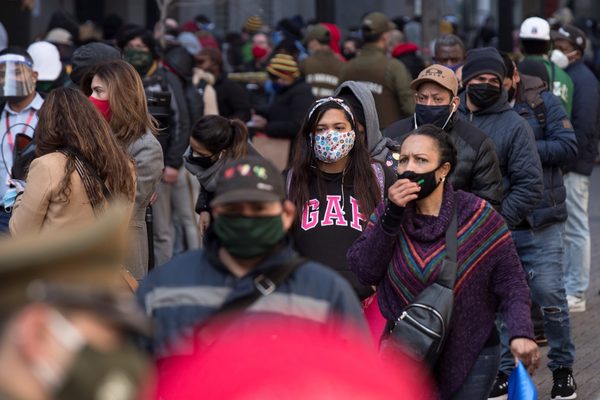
[332,145]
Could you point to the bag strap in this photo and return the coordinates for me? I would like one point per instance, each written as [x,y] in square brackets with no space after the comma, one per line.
[264,285]
[447,276]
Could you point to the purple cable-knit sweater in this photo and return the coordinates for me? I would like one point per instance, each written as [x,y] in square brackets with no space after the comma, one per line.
[490,276]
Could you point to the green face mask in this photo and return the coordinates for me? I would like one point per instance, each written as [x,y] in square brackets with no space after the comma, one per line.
[140,59]
[248,237]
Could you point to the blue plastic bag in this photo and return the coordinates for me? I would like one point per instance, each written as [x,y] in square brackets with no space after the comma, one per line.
[520,385]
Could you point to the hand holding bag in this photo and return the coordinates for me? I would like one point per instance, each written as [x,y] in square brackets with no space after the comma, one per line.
[422,327]
[520,385]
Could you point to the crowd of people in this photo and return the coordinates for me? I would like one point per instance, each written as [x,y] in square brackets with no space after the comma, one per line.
[289,177]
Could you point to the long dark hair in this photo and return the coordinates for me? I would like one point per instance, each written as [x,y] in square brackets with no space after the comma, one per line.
[69,121]
[217,133]
[358,171]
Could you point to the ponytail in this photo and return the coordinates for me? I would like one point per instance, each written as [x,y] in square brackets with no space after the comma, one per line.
[239,139]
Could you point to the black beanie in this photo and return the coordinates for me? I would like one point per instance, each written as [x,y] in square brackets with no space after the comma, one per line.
[485,60]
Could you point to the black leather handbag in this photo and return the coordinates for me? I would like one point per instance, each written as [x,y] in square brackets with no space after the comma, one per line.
[422,327]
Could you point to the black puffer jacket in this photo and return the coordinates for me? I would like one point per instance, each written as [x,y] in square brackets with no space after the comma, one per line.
[517,151]
[233,99]
[286,112]
[556,143]
[478,168]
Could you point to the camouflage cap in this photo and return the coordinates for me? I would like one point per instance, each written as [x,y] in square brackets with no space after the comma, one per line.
[80,268]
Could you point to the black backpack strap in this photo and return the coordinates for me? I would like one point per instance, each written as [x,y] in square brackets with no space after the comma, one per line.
[447,276]
[264,285]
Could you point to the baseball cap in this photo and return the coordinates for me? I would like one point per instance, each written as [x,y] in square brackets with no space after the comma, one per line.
[60,36]
[535,28]
[77,267]
[318,32]
[439,74]
[376,23]
[46,60]
[249,179]
[571,33]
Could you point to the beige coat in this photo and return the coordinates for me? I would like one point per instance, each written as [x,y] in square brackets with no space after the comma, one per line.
[40,207]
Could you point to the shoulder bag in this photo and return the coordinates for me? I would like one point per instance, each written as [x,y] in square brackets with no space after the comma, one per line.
[422,327]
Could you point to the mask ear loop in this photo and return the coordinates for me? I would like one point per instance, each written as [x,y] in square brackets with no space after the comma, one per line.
[449,116]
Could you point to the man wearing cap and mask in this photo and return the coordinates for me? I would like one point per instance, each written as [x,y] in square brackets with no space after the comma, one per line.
[478,169]
[534,37]
[571,42]
[65,316]
[19,104]
[387,78]
[484,104]
[539,239]
[322,68]
[247,251]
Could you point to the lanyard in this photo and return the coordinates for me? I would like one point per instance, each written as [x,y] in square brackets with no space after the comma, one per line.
[11,142]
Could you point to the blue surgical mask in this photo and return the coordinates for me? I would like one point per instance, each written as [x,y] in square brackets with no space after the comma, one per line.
[9,198]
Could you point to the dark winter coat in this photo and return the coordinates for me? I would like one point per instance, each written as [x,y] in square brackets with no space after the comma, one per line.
[286,112]
[233,99]
[517,151]
[555,144]
[585,117]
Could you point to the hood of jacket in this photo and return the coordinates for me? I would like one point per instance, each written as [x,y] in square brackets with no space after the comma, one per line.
[377,144]
[404,48]
[529,89]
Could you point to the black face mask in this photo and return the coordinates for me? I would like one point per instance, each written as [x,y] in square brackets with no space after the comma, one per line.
[203,162]
[426,180]
[483,95]
[436,115]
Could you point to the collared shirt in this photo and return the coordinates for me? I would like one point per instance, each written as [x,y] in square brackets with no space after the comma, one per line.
[9,129]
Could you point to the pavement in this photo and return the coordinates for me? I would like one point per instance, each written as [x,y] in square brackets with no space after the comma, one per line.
[585,326]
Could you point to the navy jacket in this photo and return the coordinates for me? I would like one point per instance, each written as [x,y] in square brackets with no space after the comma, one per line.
[182,294]
[556,144]
[585,117]
[517,152]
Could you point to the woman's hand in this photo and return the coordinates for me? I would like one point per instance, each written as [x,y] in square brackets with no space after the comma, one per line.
[203,222]
[403,191]
[170,175]
[527,351]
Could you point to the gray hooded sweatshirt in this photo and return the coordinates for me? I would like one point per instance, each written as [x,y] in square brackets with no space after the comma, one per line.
[378,145]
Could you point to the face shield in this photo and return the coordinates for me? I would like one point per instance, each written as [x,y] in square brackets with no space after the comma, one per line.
[16,76]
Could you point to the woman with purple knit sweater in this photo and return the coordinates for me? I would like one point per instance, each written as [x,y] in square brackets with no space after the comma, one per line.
[402,249]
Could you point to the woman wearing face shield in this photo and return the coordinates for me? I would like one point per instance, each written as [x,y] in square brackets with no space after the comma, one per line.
[402,249]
